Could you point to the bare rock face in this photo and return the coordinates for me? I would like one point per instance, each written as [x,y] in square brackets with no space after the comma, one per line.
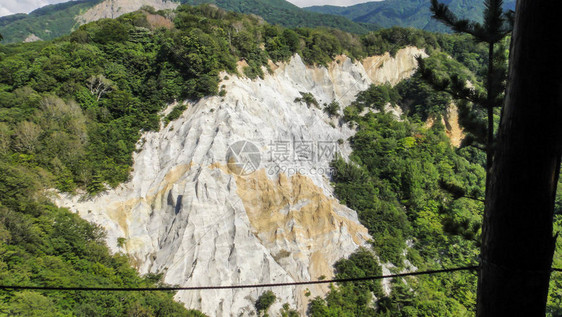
[451,123]
[236,191]
[392,69]
[32,38]
[111,9]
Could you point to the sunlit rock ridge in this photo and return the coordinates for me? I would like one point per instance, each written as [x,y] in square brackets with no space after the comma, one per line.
[188,213]
[114,8]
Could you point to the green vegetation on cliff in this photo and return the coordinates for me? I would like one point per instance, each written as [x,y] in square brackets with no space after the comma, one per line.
[42,245]
[422,201]
[420,198]
[75,107]
[72,111]
[408,183]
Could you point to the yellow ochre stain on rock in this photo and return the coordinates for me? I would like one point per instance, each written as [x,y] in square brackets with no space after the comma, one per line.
[294,209]
[121,211]
[294,204]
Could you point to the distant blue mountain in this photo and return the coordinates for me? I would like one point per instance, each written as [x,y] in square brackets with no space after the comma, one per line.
[407,13]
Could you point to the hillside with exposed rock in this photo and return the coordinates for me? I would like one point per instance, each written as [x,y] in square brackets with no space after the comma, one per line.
[186,213]
[200,147]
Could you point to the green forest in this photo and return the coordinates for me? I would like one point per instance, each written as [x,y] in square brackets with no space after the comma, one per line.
[410,185]
[414,191]
[72,111]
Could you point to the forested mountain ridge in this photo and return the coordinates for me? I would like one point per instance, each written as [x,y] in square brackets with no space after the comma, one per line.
[56,20]
[52,21]
[47,23]
[286,14]
[407,13]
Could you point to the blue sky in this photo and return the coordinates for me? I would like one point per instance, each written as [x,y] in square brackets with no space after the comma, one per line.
[25,6]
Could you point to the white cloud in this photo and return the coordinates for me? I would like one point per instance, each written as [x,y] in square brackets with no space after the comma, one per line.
[4,11]
[23,6]
[341,3]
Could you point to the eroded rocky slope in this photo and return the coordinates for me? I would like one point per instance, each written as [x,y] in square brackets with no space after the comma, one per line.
[194,211]
[114,8]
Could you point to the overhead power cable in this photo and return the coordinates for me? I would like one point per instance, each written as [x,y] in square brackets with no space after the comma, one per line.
[191,288]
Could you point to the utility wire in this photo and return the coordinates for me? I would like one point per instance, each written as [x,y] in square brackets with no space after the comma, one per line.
[130,289]
[192,288]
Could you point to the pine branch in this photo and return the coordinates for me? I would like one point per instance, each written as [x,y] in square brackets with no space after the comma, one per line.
[493,19]
[460,90]
[508,21]
[497,23]
[472,140]
[478,146]
[429,75]
[455,86]
[442,13]
[471,198]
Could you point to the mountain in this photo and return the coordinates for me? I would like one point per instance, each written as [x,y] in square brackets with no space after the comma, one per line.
[208,148]
[407,13]
[187,212]
[56,20]
[286,14]
[48,22]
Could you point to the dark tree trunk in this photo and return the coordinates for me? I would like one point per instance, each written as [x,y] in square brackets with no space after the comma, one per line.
[490,109]
[518,243]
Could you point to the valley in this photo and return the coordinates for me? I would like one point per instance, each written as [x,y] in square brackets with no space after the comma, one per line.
[194,146]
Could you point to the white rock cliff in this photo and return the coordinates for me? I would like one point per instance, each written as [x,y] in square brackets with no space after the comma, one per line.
[111,9]
[188,213]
